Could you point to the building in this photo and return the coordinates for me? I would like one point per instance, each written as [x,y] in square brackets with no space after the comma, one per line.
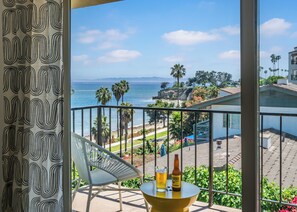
[273,99]
[293,66]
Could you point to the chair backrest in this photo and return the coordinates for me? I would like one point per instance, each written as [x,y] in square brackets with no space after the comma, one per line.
[78,154]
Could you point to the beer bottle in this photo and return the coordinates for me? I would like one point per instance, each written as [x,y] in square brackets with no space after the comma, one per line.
[176,175]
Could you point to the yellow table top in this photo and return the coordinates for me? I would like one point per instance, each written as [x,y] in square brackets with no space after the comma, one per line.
[187,190]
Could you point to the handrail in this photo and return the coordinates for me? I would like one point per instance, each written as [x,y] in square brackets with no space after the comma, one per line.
[196,112]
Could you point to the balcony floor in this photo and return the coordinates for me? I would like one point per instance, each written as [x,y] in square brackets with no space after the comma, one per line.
[108,201]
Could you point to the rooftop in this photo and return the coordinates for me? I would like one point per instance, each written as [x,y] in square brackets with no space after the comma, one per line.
[231,90]
[234,93]
[271,165]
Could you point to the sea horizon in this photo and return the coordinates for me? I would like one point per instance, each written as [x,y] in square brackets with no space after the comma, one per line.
[140,94]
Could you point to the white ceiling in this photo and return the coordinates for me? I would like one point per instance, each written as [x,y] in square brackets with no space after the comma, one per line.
[88,3]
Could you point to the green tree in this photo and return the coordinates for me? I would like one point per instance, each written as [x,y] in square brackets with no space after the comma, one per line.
[116,90]
[164,85]
[213,92]
[208,78]
[178,71]
[105,129]
[126,118]
[103,95]
[265,72]
[158,115]
[274,59]
[270,80]
[278,57]
[175,128]
[124,88]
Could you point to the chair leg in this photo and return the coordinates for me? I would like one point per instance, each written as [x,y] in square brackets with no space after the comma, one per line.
[120,196]
[145,202]
[89,199]
[76,188]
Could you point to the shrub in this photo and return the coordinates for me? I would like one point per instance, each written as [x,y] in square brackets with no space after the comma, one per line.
[270,80]
[135,183]
[149,148]
[270,189]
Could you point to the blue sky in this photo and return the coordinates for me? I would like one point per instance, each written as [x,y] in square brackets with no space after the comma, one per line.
[144,38]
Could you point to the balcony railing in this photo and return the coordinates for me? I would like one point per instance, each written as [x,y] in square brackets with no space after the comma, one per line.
[83,119]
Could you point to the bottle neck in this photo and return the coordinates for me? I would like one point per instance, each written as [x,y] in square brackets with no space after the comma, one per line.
[176,162]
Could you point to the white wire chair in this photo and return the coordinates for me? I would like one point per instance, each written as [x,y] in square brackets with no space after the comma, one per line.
[107,168]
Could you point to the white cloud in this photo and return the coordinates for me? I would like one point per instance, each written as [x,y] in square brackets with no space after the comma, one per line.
[119,55]
[183,37]
[114,34]
[107,45]
[85,59]
[275,26]
[264,54]
[235,54]
[89,36]
[174,59]
[231,30]
[231,54]
[102,37]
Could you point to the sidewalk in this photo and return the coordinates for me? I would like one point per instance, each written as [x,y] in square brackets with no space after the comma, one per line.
[134,139]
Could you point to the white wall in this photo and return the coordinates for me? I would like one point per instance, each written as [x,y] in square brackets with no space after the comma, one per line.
[289,123]
[218,129]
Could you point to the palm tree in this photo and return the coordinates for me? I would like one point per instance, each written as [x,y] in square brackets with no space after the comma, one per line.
[260,69]
[265,72]
[178,71]
[124,88]
[103,96]
[116,90]
[104,127]
[278,57]
[126,117]
[273,60]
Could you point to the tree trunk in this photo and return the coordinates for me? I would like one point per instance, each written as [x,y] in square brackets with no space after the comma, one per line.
[177,91]
[126,135]
[117,120]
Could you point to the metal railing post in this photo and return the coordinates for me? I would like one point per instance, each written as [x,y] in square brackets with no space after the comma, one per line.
[121,132]
[195,142]
[143,143]
[210,185]
[99,126]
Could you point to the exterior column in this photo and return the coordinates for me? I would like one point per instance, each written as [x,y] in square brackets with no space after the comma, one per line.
[250,105]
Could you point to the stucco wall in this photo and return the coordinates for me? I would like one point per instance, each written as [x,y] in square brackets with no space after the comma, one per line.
[218,129]
[289,123]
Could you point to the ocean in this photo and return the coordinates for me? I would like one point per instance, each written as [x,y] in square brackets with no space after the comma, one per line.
[139,94]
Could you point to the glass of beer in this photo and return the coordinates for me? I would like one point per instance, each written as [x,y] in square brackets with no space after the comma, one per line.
[161,178]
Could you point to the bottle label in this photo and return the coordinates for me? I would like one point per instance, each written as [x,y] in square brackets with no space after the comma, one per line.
[176,181]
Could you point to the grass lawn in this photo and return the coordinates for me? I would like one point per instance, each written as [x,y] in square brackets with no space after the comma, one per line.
[136,142]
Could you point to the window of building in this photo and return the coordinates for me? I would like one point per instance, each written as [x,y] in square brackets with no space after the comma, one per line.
[294,75]
[234,121]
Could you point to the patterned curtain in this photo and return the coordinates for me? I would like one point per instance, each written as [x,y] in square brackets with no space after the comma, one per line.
[32,85]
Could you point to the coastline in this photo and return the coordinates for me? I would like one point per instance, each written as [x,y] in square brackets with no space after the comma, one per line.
[136,129]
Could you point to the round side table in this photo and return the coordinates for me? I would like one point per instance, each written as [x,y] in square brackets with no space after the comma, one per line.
[173,201]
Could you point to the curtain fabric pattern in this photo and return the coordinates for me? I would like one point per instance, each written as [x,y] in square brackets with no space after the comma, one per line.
[32,83]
